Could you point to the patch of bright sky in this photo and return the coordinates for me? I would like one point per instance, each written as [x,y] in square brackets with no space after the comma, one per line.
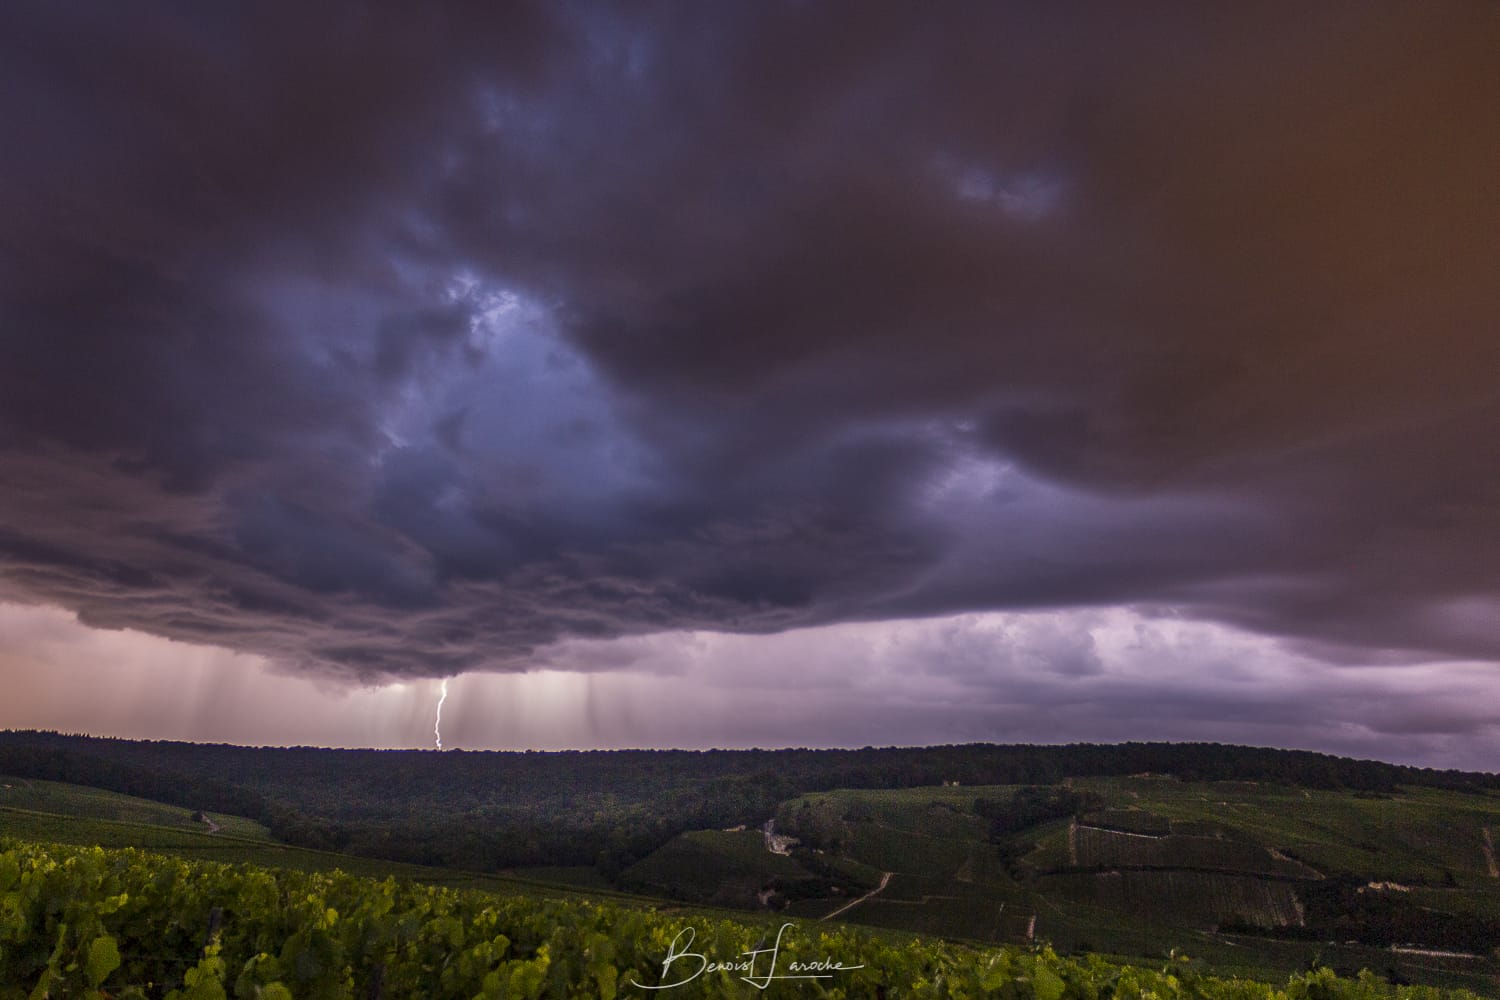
[1025,195]
[531,419]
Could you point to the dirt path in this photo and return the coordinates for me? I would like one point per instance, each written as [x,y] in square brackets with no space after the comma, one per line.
[885,878]
[1073,843]
[1489,852]
[1073,834]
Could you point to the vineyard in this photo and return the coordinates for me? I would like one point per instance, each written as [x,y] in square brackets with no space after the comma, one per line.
[99,924]
[1130,821]
[1112,849]
[1179,896]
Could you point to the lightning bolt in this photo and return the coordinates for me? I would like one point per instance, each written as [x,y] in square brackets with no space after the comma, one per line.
[437,725]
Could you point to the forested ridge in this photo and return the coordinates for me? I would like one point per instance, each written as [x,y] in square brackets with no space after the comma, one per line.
[485,809]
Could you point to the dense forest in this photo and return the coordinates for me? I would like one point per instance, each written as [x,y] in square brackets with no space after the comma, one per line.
[489,810]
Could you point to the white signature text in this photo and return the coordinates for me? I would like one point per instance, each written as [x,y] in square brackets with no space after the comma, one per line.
[694,964]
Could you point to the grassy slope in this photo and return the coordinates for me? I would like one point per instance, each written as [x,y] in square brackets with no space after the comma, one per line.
[95,803]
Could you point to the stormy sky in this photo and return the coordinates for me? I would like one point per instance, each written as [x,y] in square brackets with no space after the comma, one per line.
[753,374]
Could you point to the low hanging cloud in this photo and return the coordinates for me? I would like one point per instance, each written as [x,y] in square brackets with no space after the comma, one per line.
[396,343]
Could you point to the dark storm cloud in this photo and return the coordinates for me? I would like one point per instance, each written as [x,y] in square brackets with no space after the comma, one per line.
[387,341]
